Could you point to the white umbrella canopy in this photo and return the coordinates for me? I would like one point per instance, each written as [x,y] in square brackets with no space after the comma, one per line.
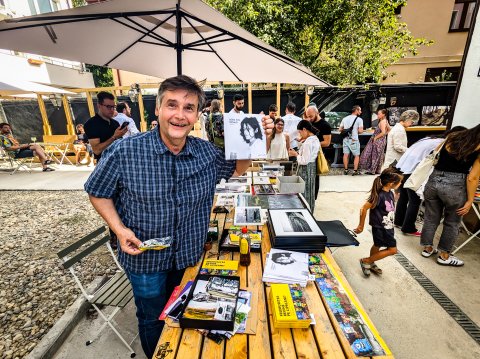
[143,36]
[13,87]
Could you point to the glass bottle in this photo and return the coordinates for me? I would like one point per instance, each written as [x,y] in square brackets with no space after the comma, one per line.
[245,248]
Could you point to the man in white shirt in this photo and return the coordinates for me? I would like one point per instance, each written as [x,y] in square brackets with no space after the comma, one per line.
[291,121]
[397,137]
[238,103]
[351,143]
[124,114]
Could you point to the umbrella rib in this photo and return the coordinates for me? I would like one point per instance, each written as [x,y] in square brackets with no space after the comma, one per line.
[136,41]
[153,43]
[156,37]
[199,42]
[206,43]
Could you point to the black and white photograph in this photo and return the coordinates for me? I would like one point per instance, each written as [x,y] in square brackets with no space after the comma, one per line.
[232,188]
[261,180]
[285,201]
[248,216]
[244,137]
[284,266]
[225,199]
[394,114]
[247,200]
[434,115]
[242,180]
[263,189]
[294,222]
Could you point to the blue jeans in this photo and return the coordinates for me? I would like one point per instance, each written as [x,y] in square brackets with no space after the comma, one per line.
[445,192]
[151,292]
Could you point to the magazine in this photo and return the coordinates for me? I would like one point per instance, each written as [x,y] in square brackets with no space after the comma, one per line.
[225,199]
[263,189]
[244,137]
[284,266]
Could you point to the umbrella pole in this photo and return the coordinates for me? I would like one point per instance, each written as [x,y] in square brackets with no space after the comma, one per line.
[179,39]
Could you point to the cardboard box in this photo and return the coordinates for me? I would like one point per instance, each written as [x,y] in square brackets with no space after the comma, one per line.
[291,184]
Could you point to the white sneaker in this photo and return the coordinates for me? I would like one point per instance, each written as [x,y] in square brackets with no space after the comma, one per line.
[451,261]
[427,254]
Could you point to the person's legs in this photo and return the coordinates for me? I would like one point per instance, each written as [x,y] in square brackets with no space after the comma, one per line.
[317,186]
[40,153]
[355,149]
[346,155]
[433,213]
[414,202]
[151,292]
[401,206]
[381,238]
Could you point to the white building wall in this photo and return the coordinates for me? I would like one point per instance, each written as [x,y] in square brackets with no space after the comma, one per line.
[466,109]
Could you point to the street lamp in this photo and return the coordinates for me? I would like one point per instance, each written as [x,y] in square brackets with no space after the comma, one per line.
[56,100]
[133,92]
[310,90]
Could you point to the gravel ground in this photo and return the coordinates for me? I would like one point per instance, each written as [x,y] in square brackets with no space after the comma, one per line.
[35,290]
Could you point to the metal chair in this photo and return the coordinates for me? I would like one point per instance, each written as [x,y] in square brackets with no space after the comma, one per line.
[15,163]
[116,292]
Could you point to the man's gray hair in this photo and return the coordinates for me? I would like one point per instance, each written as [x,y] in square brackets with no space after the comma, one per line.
[182,82]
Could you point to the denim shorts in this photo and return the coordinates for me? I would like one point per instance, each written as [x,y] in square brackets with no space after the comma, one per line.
[351,146]
[25,153]
[383,237]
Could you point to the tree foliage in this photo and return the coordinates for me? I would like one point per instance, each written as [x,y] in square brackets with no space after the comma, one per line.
[102,76]
[342,41]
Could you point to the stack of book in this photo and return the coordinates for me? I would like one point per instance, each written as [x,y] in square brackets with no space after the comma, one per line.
[231,239]
[286,267]
[290,309]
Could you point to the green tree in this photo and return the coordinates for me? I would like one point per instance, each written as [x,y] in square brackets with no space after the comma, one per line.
[78,3]
[342,41]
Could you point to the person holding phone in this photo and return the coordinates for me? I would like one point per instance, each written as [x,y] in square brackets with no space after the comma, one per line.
[124,118]
[102,130]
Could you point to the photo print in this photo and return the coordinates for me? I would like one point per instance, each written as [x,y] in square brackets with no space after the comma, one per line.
[294,223]
[242,180]
[244,137]
[394,114]
[435,115]
[248,216]
[261,180]
[263,189]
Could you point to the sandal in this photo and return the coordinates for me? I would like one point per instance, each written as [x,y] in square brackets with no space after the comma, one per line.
[365,268]
[375,269]
[48,169]
[47,162]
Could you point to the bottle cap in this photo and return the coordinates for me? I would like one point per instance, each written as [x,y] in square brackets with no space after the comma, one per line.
[244,230]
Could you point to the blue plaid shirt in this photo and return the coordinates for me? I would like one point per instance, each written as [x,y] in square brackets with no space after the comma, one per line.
[158,194]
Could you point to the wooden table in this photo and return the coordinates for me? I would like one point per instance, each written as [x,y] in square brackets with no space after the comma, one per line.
[323,340]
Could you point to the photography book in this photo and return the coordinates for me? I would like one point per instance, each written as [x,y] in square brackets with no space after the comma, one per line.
[279,201]
[284,266]
[245,138]
[176,305]
[225,199]
[219,267]
[211,304]
[290,309]
[261,180]
[176,292]
[230,240]
[248,216]
[263,189]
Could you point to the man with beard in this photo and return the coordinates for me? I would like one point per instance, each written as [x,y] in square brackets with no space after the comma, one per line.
[125,115]
[238,103]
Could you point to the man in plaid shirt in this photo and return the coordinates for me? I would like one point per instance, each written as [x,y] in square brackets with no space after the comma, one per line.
[161,184]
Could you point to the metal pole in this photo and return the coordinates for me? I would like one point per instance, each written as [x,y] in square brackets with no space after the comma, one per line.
[179,39]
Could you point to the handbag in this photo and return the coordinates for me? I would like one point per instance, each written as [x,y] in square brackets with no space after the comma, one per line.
[423,170]
[348,131]
[322,164]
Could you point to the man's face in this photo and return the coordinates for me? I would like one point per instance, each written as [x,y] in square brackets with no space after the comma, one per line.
[272,114]
[6,130]
[128,111]
[311,115]
[153,124]
[107,108]
[177,114]
[239,104]
[358,112]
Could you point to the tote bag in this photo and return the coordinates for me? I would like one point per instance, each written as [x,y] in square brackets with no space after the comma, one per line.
[322,164]
[423,170]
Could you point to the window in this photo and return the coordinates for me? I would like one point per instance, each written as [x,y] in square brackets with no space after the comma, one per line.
[41,6]
[462,14]
[441,74]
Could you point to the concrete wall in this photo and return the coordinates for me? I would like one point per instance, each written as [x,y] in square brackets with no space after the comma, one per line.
[466,110]
[429,19]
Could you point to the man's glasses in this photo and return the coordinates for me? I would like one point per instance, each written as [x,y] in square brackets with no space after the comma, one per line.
[110,107]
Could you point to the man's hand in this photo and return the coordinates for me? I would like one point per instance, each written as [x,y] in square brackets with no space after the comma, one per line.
[267,124]
[119,132]
[128,242]
[464,209]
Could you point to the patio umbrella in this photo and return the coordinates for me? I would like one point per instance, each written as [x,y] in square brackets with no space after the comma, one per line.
[157,38]
[12,87]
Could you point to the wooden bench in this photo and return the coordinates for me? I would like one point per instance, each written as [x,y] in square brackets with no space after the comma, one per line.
[323,340]
[60,147]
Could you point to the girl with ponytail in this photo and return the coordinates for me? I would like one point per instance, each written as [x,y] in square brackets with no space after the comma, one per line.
[382,210]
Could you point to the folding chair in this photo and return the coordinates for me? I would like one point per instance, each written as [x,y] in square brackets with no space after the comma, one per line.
[116,292]
[15,163]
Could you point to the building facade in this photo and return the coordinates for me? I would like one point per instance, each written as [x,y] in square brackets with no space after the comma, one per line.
[446,23]
[36,68]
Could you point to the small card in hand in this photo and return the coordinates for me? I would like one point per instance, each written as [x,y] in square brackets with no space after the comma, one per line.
[156,244]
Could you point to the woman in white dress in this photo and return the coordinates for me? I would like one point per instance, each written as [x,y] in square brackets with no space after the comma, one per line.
[278,143]
[307,158]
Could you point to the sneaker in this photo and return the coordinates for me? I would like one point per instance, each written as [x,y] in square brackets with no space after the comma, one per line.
[427,254]
[450,261]
[415,234]
[355,173]
[365,268]
[345,172]
[48,169]
[375,269]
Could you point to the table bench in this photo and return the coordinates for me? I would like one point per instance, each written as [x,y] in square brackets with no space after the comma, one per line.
[59,147]
[323,340]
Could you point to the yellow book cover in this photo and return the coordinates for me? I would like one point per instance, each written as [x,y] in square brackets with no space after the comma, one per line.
[282,302]
[220,264]
[234,235]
